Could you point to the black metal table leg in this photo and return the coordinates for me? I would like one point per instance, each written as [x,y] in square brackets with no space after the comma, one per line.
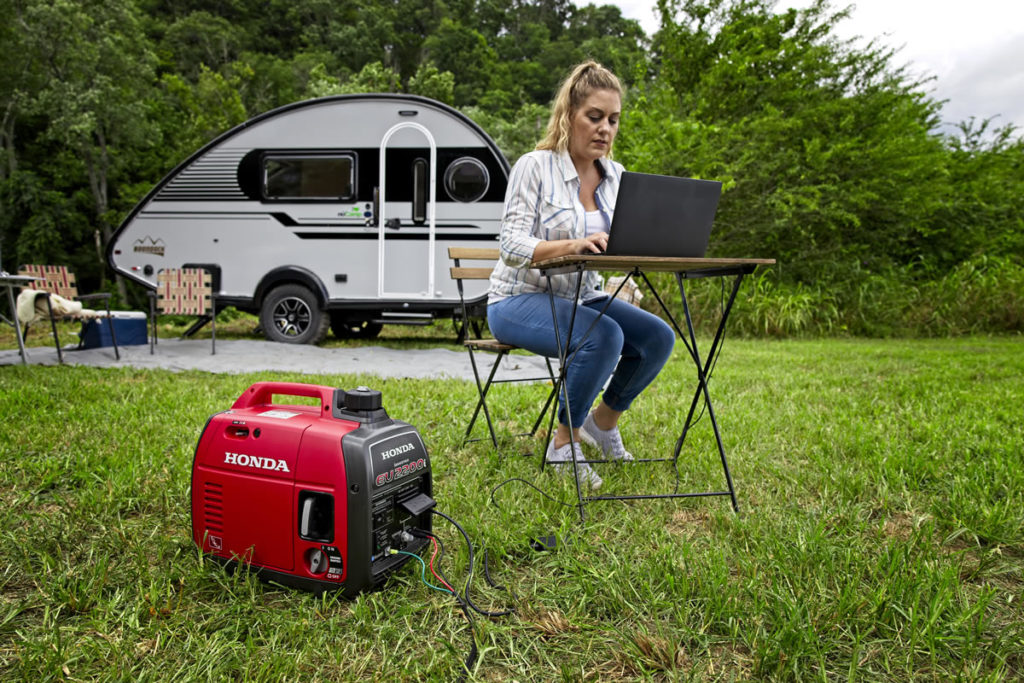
[703,368]
[563,369]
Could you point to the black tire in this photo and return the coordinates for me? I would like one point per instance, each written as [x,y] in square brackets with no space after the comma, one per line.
[347,328]
[292,314]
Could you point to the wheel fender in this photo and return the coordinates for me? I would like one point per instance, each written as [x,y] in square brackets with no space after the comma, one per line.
[291,274]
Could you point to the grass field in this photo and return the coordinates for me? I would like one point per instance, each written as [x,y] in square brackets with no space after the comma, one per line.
[880,537]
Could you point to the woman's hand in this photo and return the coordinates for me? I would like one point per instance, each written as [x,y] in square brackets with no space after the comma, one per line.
[591,244]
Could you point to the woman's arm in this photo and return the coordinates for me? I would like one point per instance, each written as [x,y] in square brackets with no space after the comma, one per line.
[519,242]
[591,244]
[522,200]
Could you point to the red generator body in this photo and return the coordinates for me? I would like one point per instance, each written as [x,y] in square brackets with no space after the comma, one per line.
[311,496]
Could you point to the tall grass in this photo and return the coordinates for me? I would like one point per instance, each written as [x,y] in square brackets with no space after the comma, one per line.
[881,532]
[982,296]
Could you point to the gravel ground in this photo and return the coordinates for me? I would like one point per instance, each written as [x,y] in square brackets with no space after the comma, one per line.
[240,356]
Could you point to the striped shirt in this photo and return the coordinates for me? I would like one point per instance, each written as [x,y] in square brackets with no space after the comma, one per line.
[542,203]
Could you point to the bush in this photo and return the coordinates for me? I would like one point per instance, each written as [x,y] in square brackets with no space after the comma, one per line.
[982,296]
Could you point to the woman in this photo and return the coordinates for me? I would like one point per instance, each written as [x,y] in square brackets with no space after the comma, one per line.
[559,201]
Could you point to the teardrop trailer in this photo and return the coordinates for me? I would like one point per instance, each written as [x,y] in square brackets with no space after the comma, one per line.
[330,212]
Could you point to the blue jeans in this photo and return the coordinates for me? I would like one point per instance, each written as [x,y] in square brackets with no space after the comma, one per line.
[626,340]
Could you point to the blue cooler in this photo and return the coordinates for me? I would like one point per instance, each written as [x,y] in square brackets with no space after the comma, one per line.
[130,327]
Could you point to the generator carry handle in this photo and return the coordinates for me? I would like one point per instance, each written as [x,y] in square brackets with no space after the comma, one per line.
[262,393]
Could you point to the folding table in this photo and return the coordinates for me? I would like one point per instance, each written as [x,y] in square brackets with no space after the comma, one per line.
[637,267]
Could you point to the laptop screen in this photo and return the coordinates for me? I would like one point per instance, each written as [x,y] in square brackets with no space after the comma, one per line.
[657,215]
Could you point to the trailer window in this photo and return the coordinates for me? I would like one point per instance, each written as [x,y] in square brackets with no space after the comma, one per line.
[466,180]
[308,177]
[419,191]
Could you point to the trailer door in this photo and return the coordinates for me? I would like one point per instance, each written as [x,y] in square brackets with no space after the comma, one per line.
[406,263]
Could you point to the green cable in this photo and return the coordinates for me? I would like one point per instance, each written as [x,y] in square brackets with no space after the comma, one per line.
[423,573]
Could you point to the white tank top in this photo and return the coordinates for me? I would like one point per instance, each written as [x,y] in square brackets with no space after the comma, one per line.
[593,222]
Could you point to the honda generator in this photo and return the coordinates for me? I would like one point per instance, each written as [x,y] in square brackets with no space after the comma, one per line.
[318,497]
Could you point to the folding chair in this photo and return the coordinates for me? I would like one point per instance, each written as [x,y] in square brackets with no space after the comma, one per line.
[60,281]
[624,288]
[460,273]
[183,291]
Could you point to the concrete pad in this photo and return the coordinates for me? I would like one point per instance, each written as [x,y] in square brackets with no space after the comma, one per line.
[236,356]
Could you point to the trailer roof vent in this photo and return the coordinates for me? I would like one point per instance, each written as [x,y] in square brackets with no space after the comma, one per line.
[466,179]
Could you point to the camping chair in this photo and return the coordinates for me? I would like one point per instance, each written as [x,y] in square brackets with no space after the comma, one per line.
[460,273]
[183,291]
[59,281]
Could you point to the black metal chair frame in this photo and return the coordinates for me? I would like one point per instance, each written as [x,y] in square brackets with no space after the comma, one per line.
[502,350]
[105,296]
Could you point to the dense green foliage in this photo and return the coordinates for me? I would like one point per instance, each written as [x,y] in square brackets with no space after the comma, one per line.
[880,534]
[831,153]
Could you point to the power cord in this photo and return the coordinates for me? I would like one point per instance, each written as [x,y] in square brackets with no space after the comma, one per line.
[542,542]
[423,573]
[534,487]
[467,665]
[469,577]
[465,602]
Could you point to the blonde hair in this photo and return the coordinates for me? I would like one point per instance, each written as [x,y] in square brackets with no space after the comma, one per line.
[584,79]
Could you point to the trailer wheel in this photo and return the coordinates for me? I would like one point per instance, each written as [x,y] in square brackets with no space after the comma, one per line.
[291,314]
[346,328]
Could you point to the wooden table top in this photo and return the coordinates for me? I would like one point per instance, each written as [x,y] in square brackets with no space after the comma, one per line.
[648,263]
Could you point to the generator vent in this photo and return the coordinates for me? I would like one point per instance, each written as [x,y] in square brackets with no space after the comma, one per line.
[213,507]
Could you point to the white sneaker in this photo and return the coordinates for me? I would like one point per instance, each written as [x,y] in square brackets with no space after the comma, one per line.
[561,459]
[609,442]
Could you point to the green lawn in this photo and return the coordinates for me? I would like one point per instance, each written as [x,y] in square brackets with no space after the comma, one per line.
[880,537]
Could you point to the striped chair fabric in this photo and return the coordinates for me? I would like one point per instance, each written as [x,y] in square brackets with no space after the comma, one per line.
[52,280]
[184,291]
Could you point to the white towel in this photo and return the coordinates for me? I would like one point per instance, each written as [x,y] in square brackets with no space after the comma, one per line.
[32,307]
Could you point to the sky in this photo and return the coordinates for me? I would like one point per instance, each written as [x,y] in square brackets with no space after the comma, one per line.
[974,49]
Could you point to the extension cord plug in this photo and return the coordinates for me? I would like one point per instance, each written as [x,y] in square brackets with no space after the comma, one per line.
[544,543]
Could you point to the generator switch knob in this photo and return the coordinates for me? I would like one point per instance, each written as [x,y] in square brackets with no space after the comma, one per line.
[363,398]
[317,561]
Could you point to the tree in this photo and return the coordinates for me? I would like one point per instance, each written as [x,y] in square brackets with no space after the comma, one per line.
[203,110]
[96,63]
[517,134]
[374,77]
[431,82]
[17,81]
[464,53]
[200,39]
[265,82]
[983,213]
[603,34]
[828,152]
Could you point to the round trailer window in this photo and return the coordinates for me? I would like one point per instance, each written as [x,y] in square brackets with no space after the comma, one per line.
[466,180]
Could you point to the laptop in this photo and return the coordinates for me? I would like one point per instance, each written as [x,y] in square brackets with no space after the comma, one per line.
[657,215]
